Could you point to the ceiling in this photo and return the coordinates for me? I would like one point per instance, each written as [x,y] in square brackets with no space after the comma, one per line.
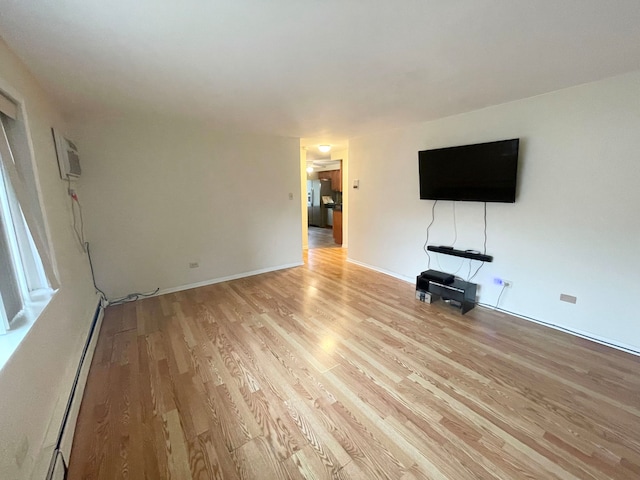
[322,70]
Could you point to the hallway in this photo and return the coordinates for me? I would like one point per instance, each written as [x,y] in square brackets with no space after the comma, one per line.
[321,238]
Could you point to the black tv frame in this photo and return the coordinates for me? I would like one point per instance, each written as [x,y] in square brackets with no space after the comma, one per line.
[468,172]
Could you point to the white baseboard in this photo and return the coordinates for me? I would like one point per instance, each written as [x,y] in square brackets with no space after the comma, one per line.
[578,333]
[227,278]
[380,270]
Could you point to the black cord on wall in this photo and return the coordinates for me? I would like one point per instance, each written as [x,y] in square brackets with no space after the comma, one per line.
[433,218]
[85,246]
[93,275]
[484,251]
[132,297]
[500,296]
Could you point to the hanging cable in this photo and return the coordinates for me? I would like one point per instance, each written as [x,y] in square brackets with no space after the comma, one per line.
[500,296]
[132,297]
[74,201]
[85,247]
[462,260]
[461,265]
[93,275]
[484,251]
[433,218]
[455,238]
[80,235]
[84,243]
[455,226]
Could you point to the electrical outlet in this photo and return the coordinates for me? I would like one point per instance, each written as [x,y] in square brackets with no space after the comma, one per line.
[194,265]
[507,283]
[568,298]
[502,283]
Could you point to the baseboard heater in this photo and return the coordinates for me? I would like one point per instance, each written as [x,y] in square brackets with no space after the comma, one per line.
[58,464]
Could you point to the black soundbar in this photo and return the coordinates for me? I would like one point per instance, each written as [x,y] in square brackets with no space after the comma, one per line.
[460,253]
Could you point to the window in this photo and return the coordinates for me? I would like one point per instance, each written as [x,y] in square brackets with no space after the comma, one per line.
[26,271]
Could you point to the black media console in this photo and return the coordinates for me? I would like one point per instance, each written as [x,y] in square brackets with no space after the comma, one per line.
[459,293]
[439,284]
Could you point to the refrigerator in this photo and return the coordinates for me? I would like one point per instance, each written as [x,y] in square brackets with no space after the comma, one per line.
[316,205]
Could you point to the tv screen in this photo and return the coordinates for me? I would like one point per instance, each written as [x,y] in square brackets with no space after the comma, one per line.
[484,172]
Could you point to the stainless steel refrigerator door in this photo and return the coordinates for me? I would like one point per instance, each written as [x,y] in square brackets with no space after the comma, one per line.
[314,216]
[316,211]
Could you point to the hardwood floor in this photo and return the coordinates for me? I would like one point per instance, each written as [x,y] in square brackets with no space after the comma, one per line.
[321,238]
[333,371]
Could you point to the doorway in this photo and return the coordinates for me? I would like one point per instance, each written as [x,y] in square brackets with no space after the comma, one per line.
[324,203]
[324,199]
[321,238]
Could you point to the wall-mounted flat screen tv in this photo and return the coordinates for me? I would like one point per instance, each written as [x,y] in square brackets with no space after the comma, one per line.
[483,172]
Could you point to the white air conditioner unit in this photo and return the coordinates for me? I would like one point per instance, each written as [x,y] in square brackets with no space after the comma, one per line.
[68,158]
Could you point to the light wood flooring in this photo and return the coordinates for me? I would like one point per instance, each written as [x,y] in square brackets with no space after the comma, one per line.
[321,238]
[333,371]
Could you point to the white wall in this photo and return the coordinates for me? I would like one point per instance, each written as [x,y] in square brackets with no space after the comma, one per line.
[574,229]
[159,193]
[36,380]
[343,155]
[304,218]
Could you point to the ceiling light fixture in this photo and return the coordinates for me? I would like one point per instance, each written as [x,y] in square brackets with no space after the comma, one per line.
[309,169]
[324,148]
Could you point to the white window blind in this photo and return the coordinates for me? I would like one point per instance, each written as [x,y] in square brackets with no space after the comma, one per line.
[7,107]
[25,262]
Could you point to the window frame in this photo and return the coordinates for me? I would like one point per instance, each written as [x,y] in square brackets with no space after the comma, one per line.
[36,288]
[7,230]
